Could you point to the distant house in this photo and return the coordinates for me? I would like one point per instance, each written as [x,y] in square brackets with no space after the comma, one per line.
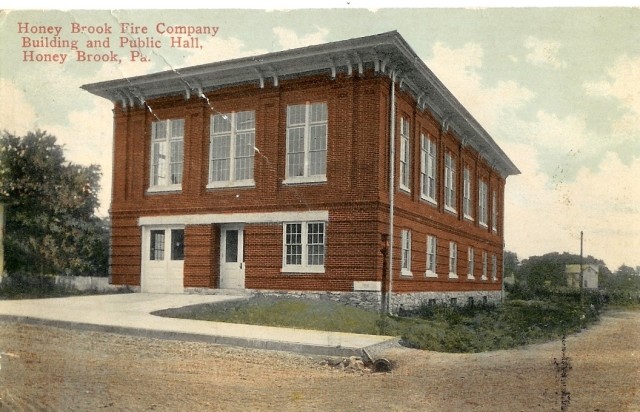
[589,276]
[323,169]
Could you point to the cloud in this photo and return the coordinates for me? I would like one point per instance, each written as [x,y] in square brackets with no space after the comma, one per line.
[17,115]
[220,49]
[622,86]
[604,203]
[289,39]
[458,69]
[544,52]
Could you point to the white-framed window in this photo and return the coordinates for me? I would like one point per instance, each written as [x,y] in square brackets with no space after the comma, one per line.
[304,247]
[306,159]
[453,259]
[428,167]
[432,245]
[449,182]
[167,155]
[483,202]
[494,211]
[405,257]
[485,265]
[494,268]
[158,244]
[470,263]
[405,155]
[467,202]
[231,149]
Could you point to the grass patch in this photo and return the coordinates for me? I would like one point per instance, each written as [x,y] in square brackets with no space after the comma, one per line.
[439,328]
[285,312]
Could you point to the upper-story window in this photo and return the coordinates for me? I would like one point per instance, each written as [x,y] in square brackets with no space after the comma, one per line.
[405,158]
[494,211]
[467,203]
[428,167]
[167,155]
[483,202]
[306,143]
[232,142]
[449,182]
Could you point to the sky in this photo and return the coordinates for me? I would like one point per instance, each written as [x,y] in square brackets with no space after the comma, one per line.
[556,88]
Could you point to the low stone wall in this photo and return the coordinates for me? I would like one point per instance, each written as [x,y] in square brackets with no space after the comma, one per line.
[93,283]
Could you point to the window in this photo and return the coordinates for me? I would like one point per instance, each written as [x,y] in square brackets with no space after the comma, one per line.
[453,260]
[431,256]
[304,246]
[494,268]
[232,142]
[428,169]
[157,244]
[405,258]
[494,211]
[306,143]
[483,203]
[470,301]
[485,263]
[449,182]
[471,263]
[405,148]
[167,155]
[453,301]
[177,244]
[467,206]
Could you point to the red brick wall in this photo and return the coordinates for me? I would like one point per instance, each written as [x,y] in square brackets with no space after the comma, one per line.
[356,192]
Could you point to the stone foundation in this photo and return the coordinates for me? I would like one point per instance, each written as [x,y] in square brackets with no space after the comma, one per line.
[370,300]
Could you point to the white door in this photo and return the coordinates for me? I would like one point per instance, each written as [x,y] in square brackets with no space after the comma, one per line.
[163,260]
[231,257]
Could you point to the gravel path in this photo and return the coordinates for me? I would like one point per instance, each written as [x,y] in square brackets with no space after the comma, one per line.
[46,368]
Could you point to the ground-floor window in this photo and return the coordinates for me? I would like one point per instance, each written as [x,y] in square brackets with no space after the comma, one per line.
[304,247]
[157,243]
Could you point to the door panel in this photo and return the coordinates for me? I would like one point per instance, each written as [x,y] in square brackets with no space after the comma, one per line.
[231,257]
[163,260]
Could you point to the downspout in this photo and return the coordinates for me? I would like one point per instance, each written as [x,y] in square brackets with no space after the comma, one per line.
[392,156]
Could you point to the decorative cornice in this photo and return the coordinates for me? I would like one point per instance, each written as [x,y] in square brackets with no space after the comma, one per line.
[386,53]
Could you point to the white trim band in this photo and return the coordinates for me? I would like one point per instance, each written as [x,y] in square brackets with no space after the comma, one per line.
[210,218]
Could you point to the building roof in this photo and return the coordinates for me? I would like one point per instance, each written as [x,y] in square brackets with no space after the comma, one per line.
[386,53]
[575,268]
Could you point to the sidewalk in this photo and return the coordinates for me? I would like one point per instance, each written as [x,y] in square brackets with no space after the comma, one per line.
[131,314]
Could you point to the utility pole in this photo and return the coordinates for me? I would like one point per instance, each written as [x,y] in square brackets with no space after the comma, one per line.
[581,269]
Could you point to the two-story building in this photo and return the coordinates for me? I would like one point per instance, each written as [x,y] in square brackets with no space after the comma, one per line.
[345,169]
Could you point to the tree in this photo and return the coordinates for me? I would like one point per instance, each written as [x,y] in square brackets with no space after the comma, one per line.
[549,269]
[511,263]
[51,226]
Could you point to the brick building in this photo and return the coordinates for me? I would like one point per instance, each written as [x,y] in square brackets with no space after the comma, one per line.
[273,173]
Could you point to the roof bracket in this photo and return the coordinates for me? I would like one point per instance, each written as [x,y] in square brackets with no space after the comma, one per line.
[333,68]
[261,77]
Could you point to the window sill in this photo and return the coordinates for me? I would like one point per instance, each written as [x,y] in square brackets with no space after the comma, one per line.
[471,277]
[483,225]
[483,278]
[164,189]
[451,210]
[430,274]
[469,218]
[453,275]
[406,273]
[230,185]
[302,269]
[429,200]
[304,180]
[404,189]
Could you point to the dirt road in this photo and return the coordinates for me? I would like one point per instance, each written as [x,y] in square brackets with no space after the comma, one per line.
[46,368]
